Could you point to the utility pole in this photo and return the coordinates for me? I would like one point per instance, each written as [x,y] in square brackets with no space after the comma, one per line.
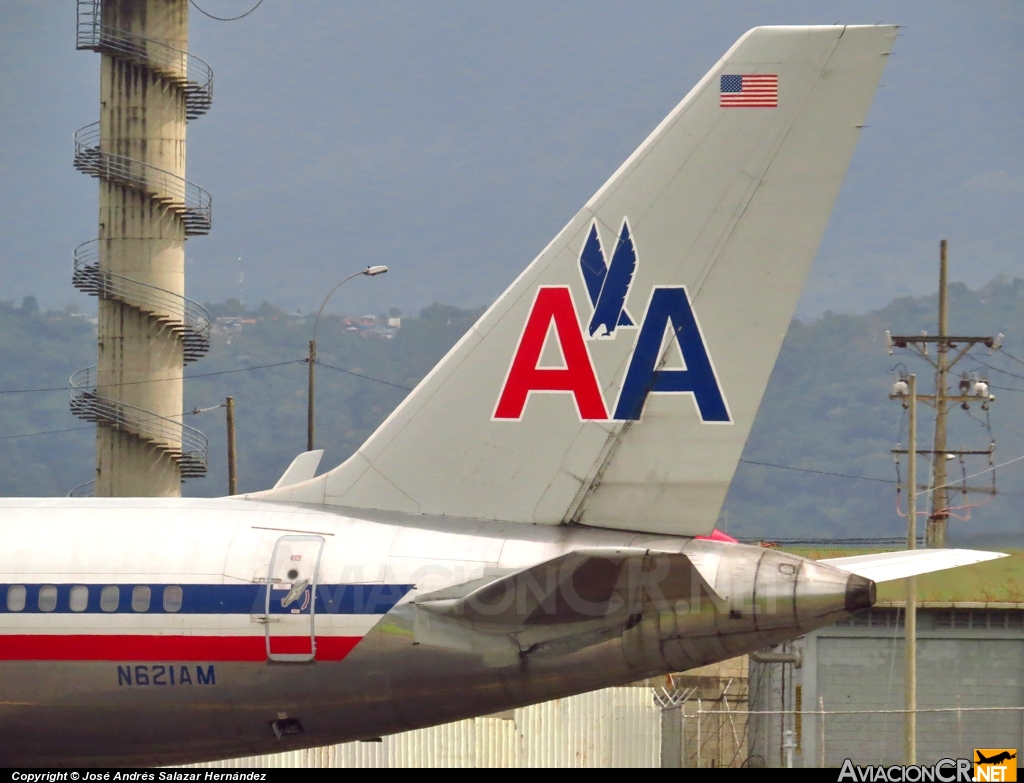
[949,349]
[935,532]
[905,389]
[232,463]
[311,405]
[910,613]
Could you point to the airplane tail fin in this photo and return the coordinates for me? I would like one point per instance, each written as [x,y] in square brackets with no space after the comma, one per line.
[615,382]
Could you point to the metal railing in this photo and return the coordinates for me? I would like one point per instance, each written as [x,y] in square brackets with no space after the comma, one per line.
[86,490]
[185,445]
[190,73]
[186,318]
[186,199]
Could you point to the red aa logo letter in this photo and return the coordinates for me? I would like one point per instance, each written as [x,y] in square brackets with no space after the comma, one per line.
[553,304]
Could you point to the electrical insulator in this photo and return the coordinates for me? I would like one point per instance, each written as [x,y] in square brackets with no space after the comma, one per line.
[980,390]
[965,384]
[901,388]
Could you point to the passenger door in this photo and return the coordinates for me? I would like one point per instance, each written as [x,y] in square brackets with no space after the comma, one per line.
[291,598]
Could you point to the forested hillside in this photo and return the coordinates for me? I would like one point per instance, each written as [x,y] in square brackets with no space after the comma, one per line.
[826,410]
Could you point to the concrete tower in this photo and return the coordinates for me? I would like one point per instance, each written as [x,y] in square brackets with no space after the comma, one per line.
[149,87]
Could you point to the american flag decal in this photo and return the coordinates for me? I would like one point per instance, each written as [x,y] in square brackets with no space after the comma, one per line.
[752,90]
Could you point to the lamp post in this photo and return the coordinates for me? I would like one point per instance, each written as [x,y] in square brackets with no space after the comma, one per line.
[905,389]
[370,271]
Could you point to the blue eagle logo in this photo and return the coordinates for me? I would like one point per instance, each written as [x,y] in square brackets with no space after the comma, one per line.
[608,284]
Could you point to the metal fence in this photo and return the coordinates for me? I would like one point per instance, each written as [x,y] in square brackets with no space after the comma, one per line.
[709,736]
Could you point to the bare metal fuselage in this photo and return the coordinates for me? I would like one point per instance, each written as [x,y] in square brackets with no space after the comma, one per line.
[71,691]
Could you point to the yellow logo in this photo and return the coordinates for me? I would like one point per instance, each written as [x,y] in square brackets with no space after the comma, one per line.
[995,764]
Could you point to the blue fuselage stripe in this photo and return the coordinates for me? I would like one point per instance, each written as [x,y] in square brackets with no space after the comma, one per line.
[215,599]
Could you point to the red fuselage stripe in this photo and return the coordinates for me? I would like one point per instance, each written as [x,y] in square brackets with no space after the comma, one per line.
[117,647]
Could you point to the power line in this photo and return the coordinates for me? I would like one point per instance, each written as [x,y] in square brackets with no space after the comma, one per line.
[982,422]
[226,18]
[974,475]
[40,389]
[45,432]
[158,380]
[360,375]
[199,375]
[819,472]
[996,369]
[194,411]
[1007,353]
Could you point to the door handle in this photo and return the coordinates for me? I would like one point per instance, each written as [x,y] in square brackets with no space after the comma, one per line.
[297,589]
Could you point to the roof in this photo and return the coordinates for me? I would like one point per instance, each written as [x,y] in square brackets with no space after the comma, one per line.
[981,585]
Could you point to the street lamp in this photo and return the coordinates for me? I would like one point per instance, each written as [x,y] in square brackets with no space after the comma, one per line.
[370,271]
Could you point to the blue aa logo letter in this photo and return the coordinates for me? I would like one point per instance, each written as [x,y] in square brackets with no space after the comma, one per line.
[670,308]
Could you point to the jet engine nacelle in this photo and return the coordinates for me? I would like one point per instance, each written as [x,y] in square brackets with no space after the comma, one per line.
[752,598]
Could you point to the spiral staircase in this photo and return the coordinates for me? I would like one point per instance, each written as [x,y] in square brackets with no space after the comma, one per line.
[184,318]
[184,83]
[185,199]
[185,445]
[180,69]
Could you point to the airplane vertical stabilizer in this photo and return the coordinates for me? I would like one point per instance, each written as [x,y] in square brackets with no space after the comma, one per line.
[616,380]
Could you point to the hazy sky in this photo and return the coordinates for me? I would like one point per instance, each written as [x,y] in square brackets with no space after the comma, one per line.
[451,140]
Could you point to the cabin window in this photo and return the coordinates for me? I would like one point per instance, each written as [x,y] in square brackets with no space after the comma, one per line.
[79,599]
[47,598]
[110,597]
[16,598]
[172,598]
[140,599]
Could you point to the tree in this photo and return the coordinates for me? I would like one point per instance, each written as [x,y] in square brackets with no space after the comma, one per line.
[29,307]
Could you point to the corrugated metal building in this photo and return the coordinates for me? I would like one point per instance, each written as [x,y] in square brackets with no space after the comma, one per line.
[970,655]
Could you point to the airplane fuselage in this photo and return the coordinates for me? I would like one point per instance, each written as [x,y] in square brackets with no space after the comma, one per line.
[142,632]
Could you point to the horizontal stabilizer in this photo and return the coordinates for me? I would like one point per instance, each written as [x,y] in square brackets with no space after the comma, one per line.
[303,468]
[896,565]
